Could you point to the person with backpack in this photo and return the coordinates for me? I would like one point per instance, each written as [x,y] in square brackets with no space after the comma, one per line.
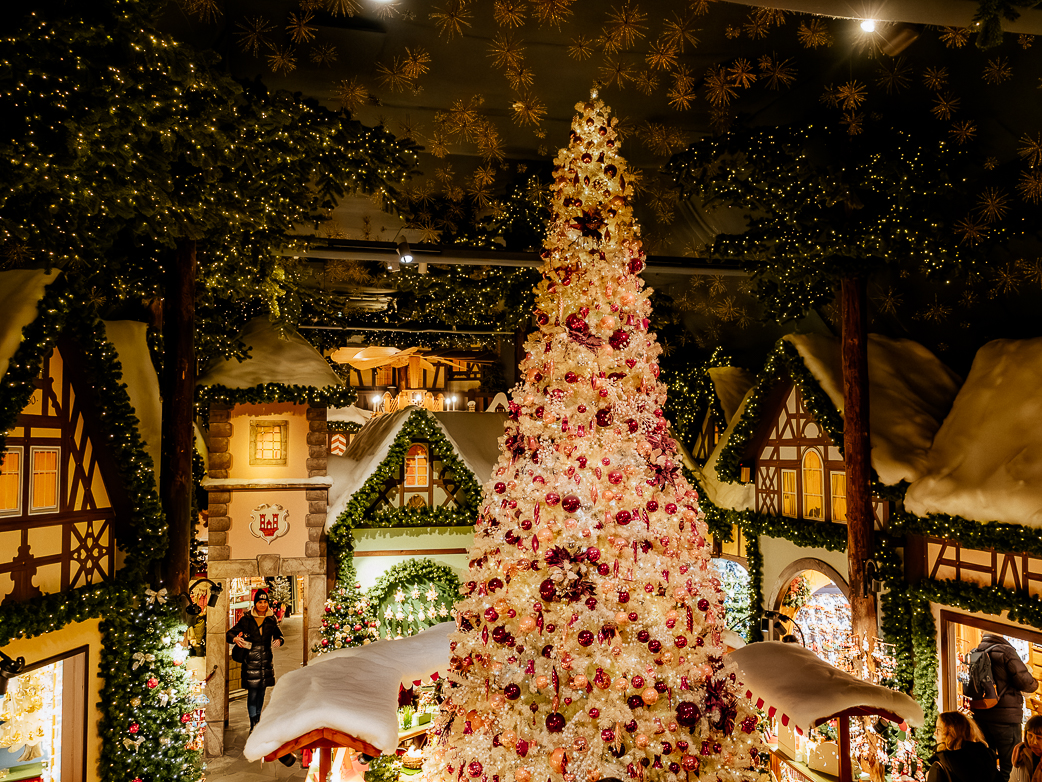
[998,679]
[962,755]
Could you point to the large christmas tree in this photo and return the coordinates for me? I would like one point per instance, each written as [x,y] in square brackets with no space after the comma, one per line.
[589,642]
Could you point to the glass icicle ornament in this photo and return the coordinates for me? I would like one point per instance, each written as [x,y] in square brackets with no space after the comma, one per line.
[589,641]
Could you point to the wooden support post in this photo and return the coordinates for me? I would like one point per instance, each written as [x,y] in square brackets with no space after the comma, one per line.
[325,763]
[846,772]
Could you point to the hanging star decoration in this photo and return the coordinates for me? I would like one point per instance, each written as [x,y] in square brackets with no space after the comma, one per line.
[509,13]
[963,131]
[1031,149]
[680,31]
[1030,186]
[324,55]
[581,48]
[719,91]
[351,94]
[625,26]
[615,72]
[253,34]
[992,204]
[775,72]
[1031,270]
[944,105]
[894,75]
[814,33]
[300,27]
[740,73]
[890,301]
[343,7]
[661,55]
[506,50]
[1005,280]
[552,13]
[851,94]
[971,231]
[936,78]
[997,71]
[954,37]
[528,110]
[646,82]
[281,59]
[451,19]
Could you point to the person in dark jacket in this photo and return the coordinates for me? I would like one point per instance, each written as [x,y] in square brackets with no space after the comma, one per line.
[1026,756]
[962,755]
[1001,723]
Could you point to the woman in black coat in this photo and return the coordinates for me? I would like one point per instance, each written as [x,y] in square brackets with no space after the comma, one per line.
[962,755]
[257,632]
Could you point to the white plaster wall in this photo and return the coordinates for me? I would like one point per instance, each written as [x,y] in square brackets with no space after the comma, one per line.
[418,539]
[778,554]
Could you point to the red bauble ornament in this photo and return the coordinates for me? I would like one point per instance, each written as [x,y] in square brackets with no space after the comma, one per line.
[134,728]
[152,683]
[555,722]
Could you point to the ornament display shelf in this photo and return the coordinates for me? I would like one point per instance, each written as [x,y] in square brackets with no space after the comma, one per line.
[802,770]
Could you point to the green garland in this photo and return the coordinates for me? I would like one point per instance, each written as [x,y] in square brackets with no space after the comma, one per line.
[993,535]
[690,396]
[754,556]
[924,663]
[409,571]
[420,425]
[330,396]
[347,427]
[386,768]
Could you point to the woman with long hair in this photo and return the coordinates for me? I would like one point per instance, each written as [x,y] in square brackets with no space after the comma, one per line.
[1026,767]
[962,754]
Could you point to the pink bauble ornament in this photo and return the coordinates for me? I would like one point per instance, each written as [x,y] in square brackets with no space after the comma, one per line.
[522,775]
[527,624]
[621,685]
[541,682]
[641,740]
[508,738]
[497,701]
[558,760]
[649,696]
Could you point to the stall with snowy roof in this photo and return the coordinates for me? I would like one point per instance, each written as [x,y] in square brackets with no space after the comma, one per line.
[778,472]
[403,502]
[726,387]
[972,516]
[266,482]
[80,526]
[801,691]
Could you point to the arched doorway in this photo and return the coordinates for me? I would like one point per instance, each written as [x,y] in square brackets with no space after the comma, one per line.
[815,596]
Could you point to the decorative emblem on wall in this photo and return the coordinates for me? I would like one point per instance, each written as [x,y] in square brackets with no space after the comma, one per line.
[338,443]
[269,522]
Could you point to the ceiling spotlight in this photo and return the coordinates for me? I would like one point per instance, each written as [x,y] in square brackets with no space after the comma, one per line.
[404,253]
[868,25]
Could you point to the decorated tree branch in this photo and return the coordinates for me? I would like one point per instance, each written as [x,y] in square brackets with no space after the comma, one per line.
[589,640]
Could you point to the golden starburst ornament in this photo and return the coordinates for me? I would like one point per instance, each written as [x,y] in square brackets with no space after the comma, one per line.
[971,230]
[490,143]
[854,122]
[253,34]
[992,204]
[1005,279]
[282,58]
[394,76]
[324,55]
[1030,186]
[741,74]
[954,37]
[889,301]
[755,25]
[894,75]
[936,78]
[351,94]
[1031,269]
[509,13]
[552,13]
[719,91]
[814,33]
[625,26]
[680,31]
[1031,149]
[520,78]
[944,105]
[417,62]
[581,48]
[646,82]
[997,71]
[776,73]
[300,28]
[451,19]
[506,50]
[615,72]
[1025,40]
[662,55]
[528,110]
[851,94]
[963,132]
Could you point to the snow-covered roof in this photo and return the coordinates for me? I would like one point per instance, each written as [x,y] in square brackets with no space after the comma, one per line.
[798,683]
[351,414]
[139,374]
[731,384]
[910,393]
[20,292]
[736,496]
[986,460]
[474,436]
[354,691]
[275,357]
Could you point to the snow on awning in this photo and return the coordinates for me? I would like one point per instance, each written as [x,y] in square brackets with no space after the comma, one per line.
[353,691]
[807,691]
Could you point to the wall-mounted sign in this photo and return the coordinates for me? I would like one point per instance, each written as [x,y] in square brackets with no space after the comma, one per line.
[268,522]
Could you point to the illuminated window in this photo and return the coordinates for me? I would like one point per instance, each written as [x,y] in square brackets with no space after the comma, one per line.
[839,496]
[11,482]
[268,442]
[788,493]
[813,486]
[43,487]
[416,467]
[384,376]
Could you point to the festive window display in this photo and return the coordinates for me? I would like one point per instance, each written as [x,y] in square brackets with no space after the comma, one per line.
[839,496]
[11,481]
[268,442]
[416,466]
[813,488]
[824,617]
[31,728]
[589,630]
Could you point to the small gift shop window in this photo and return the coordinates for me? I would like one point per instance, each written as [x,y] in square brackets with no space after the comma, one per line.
[961,633]
[268,442]
[44,731]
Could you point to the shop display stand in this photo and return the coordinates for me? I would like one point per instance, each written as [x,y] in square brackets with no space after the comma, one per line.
[325,740]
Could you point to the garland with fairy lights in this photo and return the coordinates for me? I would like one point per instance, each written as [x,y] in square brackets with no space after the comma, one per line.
[330,396]
[152,710]
[690,396]
[420,425]
[993,535]
[411,572]
[347,427]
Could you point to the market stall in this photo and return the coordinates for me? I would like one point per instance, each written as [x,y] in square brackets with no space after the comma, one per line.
[347,698]
[805,691]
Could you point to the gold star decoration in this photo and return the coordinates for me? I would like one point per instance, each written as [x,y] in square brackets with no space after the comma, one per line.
[406,129]
[552,12]
[719,90]
[394,76]
[509,13]
[829,97]
[741,73]
[936,78]
[1031,269]
[1031,149]
[520,78]
[340,270]
[451,18]
[206,10]
[324,55]
[699,7]
[755,26]
[444,174]
[889,301]
[343,7]
[463,119]
[814,33]
[387,9]
[963,131]
[1025,40]
[625,26]
[528,110]
[253,34]
[506,50]
[776,73]
[616,72]
[300,28]
[646,82]
[454,193]
[997,71]
[438,144]
[971,230]
[894,75]
[429,234]
[416,62]
[282,58]
[581,48]
[490,144]
[662,139]
[662,55]
[992,204]
[851,94]
[853,121]
[944,105]
[479,194]
[936,311]
[423,193]
[732,31]
[954,37]
[990,163]
[485,175]
[727,309]
[682,94]
[1005,280]
[1030,186]
[352,94]
[680,30]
